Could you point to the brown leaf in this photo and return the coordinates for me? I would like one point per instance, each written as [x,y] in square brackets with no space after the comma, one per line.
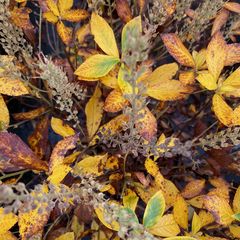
[220,20]
[15,151]
[60,150]
[176,48]
[38,140]
[123,10]
[233,54]
[115,101]
[232,6]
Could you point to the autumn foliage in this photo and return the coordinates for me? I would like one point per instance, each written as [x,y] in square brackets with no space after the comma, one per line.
[119,119]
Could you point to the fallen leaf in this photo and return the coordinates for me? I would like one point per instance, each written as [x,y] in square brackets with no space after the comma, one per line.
[60,128]
[94,111]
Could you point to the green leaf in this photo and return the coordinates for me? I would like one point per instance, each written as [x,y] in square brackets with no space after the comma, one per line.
[134,27]
[96,66]
[131,216]
[236,216]
[154,210]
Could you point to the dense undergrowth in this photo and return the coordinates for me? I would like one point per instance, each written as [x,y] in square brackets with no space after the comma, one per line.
[119,119]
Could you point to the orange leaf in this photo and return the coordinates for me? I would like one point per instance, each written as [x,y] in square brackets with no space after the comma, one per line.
[187,77]
[60,150]
[15,151]
[115,101]
[29,115]
[193,188]
[20,17]
[147,124]
[180,212]
[75,15]
[64,32]
[176,48]
[216,55]
[233,54]
[236,116]
[232,6]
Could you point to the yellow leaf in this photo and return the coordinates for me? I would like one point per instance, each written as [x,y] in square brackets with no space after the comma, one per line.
[110,80]
[147,124]
[96,66]
[4,116]
[64,32]
[101,213]
[236,116]
[93,165]
[123,83]
[207,80]
[112,127]
[7,221]
[199,58]
[165,227]
[7,236]
[94,111]
[176,48]
[235,231]
[130,199]
[236,201]
[216,55]
[161,74]
[187,77]
[50,17]
[82,32]
[196,223]
[169,90]
[206,218]
[231,86]
[12,87]
[77,227]
[60,128]
[197,201]
[180,238]
[180,212]
[66,236]
[219,208]
[75,15]
[153,169]
[59,173]
[53,7]
[222,110]
[64,5]
[115,101]
[32,222]
[103,35]
[193,188]
[59,151]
